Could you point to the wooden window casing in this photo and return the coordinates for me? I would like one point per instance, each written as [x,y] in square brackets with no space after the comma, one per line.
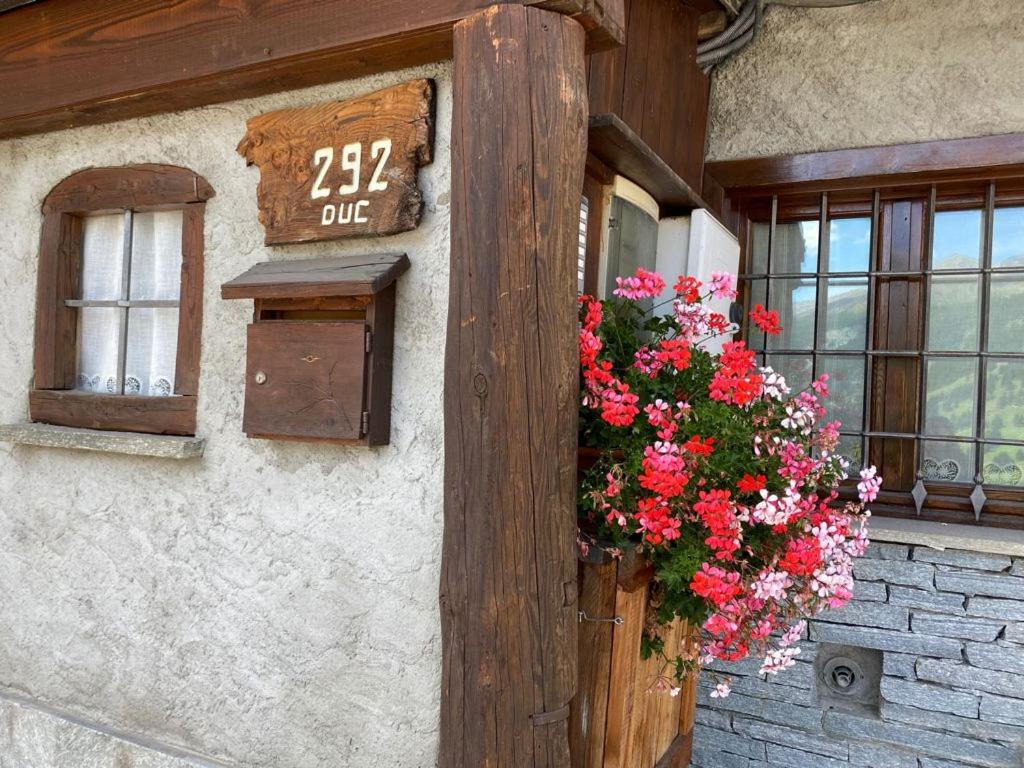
[137,188]
[896,351]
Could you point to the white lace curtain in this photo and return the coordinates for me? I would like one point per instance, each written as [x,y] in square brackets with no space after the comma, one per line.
[150,335]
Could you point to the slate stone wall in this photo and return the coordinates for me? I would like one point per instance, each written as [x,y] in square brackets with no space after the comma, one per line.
[950,628]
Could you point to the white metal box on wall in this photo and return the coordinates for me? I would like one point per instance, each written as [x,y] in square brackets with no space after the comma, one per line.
[696,245]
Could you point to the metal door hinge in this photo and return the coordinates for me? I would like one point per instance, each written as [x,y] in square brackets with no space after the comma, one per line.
[364,425]
[369,341]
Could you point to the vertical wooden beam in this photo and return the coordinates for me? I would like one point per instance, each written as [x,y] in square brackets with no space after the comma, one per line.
[508,583]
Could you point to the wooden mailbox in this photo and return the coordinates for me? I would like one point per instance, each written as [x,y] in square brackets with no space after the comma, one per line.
[319,348]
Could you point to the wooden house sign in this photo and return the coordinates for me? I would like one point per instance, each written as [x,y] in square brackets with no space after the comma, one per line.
[343,168]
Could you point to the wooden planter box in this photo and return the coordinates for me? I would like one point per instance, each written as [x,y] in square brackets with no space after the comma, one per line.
[616,721]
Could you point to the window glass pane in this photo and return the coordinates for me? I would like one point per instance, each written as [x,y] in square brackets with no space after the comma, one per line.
[1008,237]
[849,245]
[156,255]
[845,313]
[794,299]
[1003,465]
[759,248]
[957,241]
[98,331]
[1006,314]
[951,402]
[1004,399]
[953,313]
[845,402]
[758,295]
[948,462]
[796,247]
[851,448]
[632,243]
[102,254]
[152,350]
[795,369]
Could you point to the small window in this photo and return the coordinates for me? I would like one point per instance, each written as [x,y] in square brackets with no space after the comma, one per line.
[120,300]
[632,235]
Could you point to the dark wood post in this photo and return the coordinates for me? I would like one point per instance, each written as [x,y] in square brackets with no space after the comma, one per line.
[508,585]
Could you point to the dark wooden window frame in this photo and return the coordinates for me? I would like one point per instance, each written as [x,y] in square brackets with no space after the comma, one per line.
[109,190]
[948,175]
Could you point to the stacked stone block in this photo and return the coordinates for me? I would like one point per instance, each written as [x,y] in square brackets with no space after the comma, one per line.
[950,627]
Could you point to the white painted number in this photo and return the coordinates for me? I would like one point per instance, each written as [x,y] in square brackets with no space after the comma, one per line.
[351,162]
[381,148]
[351,157]
[323,157]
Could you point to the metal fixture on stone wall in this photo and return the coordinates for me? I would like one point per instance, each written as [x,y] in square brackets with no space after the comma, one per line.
[848,677]
[744,26]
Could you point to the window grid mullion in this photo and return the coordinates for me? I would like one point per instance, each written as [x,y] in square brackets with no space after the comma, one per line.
[130,304]
[126,276]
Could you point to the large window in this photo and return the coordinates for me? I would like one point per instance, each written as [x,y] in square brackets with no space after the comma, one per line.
[913,301]
[120,300]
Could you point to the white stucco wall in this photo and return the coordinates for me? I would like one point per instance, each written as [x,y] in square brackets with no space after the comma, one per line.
[274,603]
[885,72]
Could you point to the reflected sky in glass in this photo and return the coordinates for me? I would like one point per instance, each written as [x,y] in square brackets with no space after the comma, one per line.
[1008,237]
[957,241]
[849,245]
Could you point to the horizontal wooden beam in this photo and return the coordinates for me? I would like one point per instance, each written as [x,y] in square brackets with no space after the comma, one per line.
[77,62]
[925,162]
[619,147]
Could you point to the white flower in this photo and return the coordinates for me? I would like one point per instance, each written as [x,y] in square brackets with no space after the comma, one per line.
[778,660]
[721,691]
[773,384]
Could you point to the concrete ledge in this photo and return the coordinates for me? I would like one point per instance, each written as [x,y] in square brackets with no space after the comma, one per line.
[128,443]
[1000,541]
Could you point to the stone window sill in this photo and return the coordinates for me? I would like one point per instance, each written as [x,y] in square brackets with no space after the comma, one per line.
[127,443]
[998,541]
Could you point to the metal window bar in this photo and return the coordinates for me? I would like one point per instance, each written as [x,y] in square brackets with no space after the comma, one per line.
[820,282]
[869,331]
[979,425]
[923,436]
[768,266]
[893,274]
[895,353]
[922,398]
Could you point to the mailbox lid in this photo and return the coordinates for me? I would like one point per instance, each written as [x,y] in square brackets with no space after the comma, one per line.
[313,375]
[352,275]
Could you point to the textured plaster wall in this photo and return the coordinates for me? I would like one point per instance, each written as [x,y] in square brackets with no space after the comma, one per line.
[271,604]
[886,72]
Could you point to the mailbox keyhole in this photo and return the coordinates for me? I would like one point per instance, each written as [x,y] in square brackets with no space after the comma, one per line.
[260,377]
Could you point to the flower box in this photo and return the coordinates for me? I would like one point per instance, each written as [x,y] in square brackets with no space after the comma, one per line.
[624,714]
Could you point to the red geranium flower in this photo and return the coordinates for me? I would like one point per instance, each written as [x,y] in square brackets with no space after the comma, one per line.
[766,320]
